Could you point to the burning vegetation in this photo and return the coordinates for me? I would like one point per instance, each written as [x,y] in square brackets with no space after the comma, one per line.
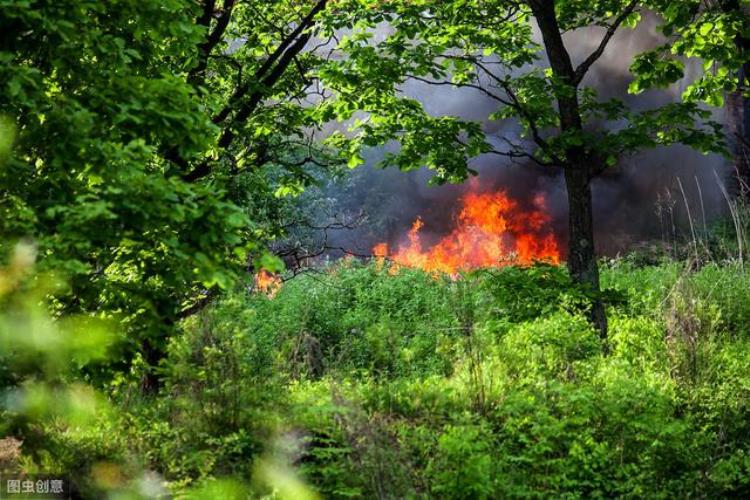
[267,283]
[491,229]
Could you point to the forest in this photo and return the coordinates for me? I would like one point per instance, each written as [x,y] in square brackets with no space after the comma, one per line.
[307,249]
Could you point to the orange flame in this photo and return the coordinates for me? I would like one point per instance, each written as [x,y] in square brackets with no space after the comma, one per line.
[267,283]
[491,230]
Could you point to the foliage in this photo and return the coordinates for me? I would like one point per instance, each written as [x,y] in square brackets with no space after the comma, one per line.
[37,365]
[488,46]
[54,423]
[122,171]
[148,148]
[60,424]
[478,391]
[714,32]
[470,389]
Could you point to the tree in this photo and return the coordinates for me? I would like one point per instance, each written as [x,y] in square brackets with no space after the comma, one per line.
[717,32]
[490,46]
[154,141]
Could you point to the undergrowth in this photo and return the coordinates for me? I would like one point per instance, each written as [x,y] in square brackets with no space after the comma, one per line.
[363,382]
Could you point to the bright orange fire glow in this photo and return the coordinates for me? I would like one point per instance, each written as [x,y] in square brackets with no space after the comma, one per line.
[491,230]
[267,283]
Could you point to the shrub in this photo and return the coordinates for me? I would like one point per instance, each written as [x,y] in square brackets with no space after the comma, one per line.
[727,287]
[463,463]
[410,385]
[550,347]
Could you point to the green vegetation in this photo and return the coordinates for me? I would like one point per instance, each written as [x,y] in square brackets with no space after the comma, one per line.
[126,170]
[367,383]
[152,157]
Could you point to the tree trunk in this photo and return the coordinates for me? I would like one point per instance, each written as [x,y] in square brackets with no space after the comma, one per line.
[582,262]
[738,109]
[152,356]
[154,346]
[738,123]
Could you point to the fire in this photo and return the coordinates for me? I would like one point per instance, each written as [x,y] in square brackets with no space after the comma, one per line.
[267,283]
[491,230]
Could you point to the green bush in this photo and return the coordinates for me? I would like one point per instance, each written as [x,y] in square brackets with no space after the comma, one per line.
[463,463]
[727,286]
[364,383]
[550,347]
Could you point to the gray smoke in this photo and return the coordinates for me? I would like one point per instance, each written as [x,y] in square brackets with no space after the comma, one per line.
[626,198]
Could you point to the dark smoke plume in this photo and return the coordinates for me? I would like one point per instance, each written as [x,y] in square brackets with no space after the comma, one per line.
[627,198]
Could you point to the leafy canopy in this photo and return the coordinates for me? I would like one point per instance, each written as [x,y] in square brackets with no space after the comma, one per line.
[153,142]
[718,33]
[489,47]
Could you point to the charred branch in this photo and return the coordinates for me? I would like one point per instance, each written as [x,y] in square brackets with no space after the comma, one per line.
[297,256]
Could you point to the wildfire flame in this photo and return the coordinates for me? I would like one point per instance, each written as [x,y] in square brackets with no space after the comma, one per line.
[491,230]
[267,283]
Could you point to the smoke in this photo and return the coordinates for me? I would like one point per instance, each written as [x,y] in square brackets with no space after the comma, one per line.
[626,198]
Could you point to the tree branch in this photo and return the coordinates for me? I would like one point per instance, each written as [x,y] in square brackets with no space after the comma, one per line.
[196,75]
[277,56]
[199,304]
[256,88]
[461,85]
[515,103]
[583,68]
